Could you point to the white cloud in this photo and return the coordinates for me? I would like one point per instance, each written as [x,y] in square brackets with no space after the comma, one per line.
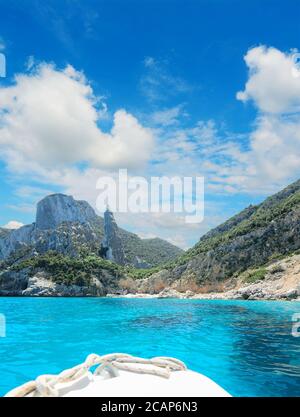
[66,132]
[164,225]
[29,191]
[274,87]
[23,207]
[274,80]
[13,224]
[158,83]
[275,148]
[167,117]
[49,120]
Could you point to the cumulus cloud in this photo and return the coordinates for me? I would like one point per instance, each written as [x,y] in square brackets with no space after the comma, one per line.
[12,225]
[274,80]
[169,226]
[49,123]
[275,147]
[274,87]
[50,118]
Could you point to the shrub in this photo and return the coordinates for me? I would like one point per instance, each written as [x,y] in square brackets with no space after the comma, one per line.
[67,270]
[276,269]
[254,275]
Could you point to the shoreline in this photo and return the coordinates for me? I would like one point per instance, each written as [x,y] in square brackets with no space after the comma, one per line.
[212,296]
[281,281]
[141,296]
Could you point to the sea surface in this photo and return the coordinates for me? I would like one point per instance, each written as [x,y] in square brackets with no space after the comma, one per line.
[245,346]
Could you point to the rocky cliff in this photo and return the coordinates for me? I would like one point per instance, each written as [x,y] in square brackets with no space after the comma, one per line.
[60,254]
[59,208]
[70,227]
[256,236]
[238,259]
[279,280]
[112,245]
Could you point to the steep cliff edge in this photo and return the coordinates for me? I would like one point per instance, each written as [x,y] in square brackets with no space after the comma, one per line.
[71,227]
[234,260]
[58,208]
[271,229]
[252,238]
[112,246]
[59,254]
[279,280]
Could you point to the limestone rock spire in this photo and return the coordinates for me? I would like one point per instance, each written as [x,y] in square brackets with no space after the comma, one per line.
[112,247]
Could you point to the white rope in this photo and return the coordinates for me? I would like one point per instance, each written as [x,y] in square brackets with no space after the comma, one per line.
[45,385]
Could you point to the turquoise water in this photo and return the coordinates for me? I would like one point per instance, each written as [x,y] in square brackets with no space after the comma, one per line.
[245,346]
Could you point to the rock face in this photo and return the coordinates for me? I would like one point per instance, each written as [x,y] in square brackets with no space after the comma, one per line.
[281,282]
[252,238]
[58,208]
[112,245]
[40,284]
[69,231]
[69,227]
[13,282]
[214,268]
[249,239]
[16,240]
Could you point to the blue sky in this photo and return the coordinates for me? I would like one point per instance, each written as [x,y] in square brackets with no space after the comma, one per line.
[198,82]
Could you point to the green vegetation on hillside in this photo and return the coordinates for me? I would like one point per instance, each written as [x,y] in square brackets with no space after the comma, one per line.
[270,229]
[253,275]
[68,270]
[153,251]
[273,208]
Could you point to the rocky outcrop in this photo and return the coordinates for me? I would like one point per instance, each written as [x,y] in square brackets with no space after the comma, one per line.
[23,283]
[13,282]
[62,224]
[15,241]
[69,227]
[249,239]
[40,285]
[153,284]
[281,282]
[112,245]
[58,208]
[255,248]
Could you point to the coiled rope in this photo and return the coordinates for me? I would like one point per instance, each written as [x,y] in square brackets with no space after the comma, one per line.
[45,385]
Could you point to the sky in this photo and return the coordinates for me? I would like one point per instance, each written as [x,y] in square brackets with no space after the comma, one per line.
[162,88]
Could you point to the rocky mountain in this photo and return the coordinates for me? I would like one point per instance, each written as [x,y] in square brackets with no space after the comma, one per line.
[278,280]
[66,226]
[253,255]
[248,240]
[251,238]
[59,208]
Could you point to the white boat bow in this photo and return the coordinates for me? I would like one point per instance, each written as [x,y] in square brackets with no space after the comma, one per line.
[122,375]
